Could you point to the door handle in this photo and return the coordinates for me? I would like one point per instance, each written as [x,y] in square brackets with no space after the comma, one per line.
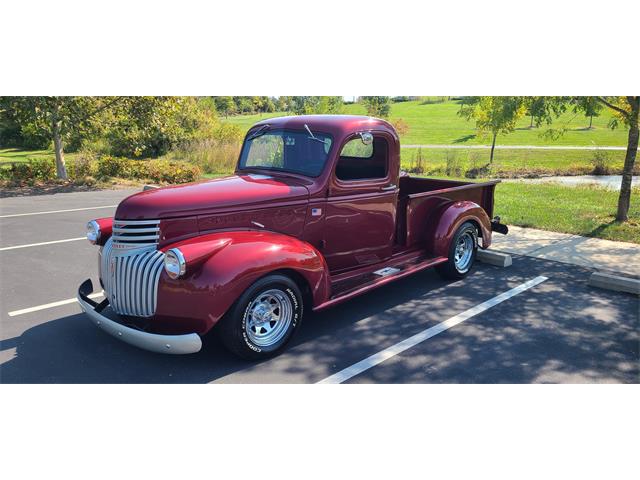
[388,188]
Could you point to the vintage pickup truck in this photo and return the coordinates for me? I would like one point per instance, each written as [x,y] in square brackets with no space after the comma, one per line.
[316,213]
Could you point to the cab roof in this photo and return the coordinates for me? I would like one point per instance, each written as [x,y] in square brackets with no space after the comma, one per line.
[336,125]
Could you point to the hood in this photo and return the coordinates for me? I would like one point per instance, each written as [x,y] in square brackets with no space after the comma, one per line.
[210,196]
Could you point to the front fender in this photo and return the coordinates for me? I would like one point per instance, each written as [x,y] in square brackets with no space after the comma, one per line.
[449,221]
[238,259]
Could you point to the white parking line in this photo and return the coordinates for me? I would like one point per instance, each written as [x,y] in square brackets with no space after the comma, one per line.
[50,305]
[387,353]
[42,243]
[57,211]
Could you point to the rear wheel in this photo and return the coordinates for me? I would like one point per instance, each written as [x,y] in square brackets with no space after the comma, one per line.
[462,253]
[263,320]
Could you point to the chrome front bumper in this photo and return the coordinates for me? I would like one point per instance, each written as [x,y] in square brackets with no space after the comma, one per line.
[173,344]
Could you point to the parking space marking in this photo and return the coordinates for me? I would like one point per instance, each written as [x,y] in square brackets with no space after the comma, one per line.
[56,211]
[42,243]
[50,305]
[387,353]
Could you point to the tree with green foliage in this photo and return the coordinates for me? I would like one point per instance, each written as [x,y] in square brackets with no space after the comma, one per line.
[268,105]
[283,103]
[377,106]
[145,127]
[315,105]
[225,105]
[626,111]
[535,108]
[590,106]
[58,118]
[494,115]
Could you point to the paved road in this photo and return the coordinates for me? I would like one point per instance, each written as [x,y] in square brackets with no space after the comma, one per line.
[558,331]
[522,147]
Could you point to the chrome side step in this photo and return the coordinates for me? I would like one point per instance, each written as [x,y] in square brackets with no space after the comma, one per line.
[385,272]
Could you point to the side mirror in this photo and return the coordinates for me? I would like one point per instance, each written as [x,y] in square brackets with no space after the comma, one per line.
[366,137]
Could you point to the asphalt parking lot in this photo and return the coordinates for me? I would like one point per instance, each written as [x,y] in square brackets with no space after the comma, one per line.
[558,331]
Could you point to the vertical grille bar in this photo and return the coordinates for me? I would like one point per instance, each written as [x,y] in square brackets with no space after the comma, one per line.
[130,278]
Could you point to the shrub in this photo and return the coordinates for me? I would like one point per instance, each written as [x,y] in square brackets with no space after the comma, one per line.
[417,162]
[33,170]
[454,167]
[212,156]
[172,172]
[600,162]
[161,171]
[84,165]
[109,166]
[400,125]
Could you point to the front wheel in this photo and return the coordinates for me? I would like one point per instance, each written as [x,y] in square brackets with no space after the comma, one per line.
[462,253]
[263,319]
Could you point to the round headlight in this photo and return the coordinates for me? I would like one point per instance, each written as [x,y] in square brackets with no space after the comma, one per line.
[174,263]
[93,231]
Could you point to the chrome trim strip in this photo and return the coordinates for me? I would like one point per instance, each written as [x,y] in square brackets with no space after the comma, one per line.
[135,234]
[135,230]
[136,222]
[172,344]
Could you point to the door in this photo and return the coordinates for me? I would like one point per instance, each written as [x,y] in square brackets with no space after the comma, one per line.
[360,214]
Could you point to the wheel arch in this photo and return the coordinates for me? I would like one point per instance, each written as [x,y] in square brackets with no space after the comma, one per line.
[301,281]
[442,231]
[244,258]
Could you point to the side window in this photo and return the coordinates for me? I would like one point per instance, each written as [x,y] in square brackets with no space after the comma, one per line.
[359,161]
[355,148]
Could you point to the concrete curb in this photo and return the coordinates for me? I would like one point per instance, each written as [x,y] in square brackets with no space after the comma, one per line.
[494,258]
[614,282]
[149,187]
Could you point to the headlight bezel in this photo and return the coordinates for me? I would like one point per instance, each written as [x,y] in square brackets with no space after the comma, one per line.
[93,232]
[174,263]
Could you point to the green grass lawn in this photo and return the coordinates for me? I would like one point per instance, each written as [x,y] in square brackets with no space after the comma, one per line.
[439,123]
[587,211]
[512,163]
[14,155]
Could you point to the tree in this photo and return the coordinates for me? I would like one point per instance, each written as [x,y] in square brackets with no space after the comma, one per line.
[283,103]
[151,126]
[493,115]
[626,111]
[315,105]
[268,105]
[590,106]
[535,108]
[225,105]
[58,118]
[377,106]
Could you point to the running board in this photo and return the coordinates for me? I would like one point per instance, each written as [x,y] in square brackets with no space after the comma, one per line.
[352,287]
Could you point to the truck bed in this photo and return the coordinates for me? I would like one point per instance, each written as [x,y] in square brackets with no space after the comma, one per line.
[422,198]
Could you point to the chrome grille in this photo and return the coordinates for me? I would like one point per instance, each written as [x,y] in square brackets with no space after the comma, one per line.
[130,278]
[135,233]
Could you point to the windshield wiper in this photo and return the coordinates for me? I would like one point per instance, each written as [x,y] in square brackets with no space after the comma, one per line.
[313,137]
[259,132]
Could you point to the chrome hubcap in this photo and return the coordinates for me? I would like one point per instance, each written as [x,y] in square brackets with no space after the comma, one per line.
[464,252]
[269,317]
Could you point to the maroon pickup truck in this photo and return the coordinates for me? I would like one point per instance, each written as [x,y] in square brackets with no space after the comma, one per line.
[316,213]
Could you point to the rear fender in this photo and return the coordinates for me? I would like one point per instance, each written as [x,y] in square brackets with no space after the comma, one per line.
[442,231]
[210,287]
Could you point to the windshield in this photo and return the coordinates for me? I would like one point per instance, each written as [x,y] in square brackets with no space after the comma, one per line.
[292,151]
